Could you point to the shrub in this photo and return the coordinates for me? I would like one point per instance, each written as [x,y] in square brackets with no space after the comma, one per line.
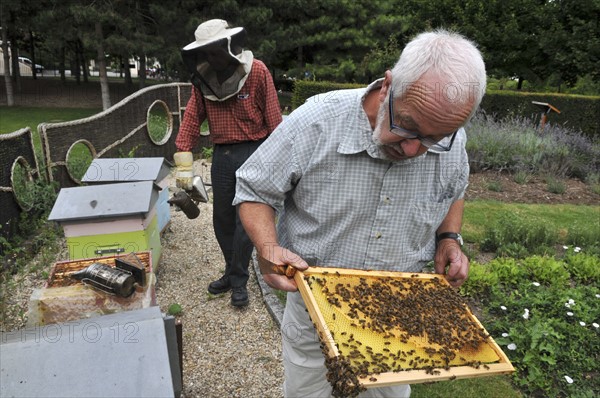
[516,145]
[589,239]
[555,185]
[576,110]
[516,237]
[37,195]
[546,323]
[506,270]
[521,177]
[584,268]
[481,280]
[495,186]
[304,89]
[512,249]
[546,270]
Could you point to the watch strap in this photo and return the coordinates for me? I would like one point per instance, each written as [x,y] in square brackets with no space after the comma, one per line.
[449,235]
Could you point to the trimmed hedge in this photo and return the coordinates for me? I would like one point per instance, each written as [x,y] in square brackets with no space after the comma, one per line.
[577,112]
[304,89]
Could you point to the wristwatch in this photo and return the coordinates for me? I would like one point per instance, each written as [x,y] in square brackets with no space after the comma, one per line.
[449,235]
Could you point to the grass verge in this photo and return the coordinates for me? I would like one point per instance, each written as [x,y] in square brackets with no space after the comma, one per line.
[14,118]
[489,387]
[480,214]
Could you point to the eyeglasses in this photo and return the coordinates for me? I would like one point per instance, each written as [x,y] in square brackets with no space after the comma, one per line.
[428,142]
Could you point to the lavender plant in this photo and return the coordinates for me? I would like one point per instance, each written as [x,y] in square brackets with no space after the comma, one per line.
[516,144]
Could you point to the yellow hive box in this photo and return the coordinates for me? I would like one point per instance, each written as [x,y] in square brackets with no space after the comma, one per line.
[394,328]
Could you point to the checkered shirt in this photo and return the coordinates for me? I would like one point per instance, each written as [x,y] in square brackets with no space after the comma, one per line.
[250,115]
[338,201]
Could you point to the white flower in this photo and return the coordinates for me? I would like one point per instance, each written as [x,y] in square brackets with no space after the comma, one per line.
[569,380]
[595,325]
[569,313]
[503,308]
[504,334]
[565,247]
[569,303]
[577,249]
[526,314]
[512,346]
[535,283]
[582,323]
[598,296]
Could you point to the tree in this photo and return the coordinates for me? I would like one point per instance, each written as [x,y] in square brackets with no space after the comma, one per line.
[336,39]
[96,14]
[5,53]
[102,66]
[570,44]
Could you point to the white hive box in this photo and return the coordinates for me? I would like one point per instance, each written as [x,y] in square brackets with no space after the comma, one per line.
[114,170]
[109,219]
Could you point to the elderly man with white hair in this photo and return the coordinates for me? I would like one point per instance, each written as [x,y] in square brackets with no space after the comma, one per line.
[370,179]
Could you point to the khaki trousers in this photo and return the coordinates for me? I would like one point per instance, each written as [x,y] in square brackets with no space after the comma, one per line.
[303,361]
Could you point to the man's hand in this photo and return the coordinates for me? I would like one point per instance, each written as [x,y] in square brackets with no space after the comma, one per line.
[185,173]
[281,257]
[449,253]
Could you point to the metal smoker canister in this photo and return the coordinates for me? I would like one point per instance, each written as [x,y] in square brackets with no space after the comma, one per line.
[108,279]
[185,203]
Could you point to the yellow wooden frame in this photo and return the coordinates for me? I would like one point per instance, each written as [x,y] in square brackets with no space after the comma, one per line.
[503,366]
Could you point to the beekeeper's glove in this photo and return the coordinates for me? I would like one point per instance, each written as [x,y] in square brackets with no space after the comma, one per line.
[185,173]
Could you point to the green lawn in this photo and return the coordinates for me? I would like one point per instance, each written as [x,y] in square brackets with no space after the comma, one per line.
[17,117]
[480,214]
[488,387]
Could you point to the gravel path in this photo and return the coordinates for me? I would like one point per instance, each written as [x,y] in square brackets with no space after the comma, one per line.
[227,352]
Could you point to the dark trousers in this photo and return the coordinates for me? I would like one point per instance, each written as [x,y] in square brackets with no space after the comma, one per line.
[233,240]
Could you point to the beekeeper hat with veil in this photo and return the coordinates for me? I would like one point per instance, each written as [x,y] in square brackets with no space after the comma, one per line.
[217,61]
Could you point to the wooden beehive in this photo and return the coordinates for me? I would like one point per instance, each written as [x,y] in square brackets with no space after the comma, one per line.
[115,170]
[64,299]
[392,328]
[109,219]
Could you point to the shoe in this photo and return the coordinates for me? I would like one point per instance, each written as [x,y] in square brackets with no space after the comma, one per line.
[239,296]
[219,286]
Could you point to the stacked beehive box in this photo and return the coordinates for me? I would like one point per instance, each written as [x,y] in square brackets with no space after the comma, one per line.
[109,219]
[115,170]
[121,212]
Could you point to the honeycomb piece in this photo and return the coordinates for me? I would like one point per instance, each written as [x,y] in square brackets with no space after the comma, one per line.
[381,324]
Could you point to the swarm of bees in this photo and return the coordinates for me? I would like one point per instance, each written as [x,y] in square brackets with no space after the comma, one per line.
[342,377]
[386,324]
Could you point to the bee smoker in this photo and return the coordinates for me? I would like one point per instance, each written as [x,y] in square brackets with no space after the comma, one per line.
[183,201]
[108,279]
[188,202]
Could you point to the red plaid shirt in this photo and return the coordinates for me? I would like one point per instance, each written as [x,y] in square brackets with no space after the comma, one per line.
[250,115]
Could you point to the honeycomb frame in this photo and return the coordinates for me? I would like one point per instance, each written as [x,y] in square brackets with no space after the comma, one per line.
[358,338]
